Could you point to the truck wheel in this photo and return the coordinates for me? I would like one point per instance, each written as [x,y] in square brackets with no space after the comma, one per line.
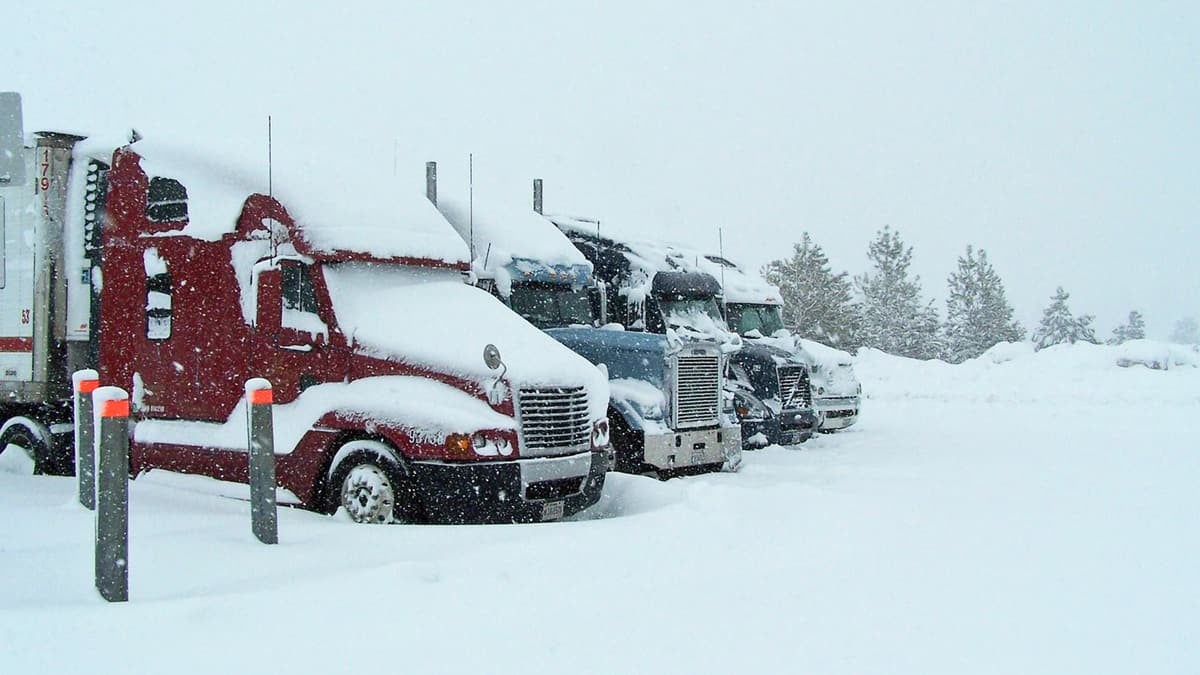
[19,437]
[370,486]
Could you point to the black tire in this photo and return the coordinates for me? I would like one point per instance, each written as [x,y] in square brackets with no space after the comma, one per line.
[364,477]
[21,436]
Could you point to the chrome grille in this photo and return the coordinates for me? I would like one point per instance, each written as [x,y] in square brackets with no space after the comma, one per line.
[554,418]
[697,391]
[794,391]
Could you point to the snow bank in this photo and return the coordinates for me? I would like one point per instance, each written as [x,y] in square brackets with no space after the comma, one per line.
[1062,374]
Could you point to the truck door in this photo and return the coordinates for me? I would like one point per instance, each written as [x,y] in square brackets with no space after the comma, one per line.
[297,344]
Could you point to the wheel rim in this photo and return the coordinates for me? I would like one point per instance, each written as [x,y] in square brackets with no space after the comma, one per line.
[368,495]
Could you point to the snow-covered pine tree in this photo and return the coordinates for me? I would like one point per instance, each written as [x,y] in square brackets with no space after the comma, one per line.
[1186,331]
[977,312]
[816,302]
[1058,326]
[1134,329]
[892,316]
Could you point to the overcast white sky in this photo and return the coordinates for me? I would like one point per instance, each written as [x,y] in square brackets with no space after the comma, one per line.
[1062,137]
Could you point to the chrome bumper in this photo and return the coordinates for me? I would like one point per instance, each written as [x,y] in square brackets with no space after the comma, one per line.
[693,448]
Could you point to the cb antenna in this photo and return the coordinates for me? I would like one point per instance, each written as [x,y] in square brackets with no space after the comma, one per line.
[471,202]
[721,251]
[270,188]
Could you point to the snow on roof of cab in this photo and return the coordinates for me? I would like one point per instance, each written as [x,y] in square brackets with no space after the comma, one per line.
[739,285]
[510,231]
[335,210]
[646,255]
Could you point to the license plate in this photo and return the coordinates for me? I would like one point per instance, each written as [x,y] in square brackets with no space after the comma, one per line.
[552,510]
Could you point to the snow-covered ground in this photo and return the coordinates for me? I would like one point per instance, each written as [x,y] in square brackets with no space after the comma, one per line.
[1037,515]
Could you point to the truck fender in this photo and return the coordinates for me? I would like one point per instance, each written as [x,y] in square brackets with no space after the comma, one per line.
[618,408]
[40,434]
[376,446]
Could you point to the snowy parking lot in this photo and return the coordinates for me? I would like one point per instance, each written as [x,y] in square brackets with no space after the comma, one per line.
[1033,515]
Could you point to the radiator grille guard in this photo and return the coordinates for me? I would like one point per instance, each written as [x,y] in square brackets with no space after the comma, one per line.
[696,396]
[553,420]
[794,390]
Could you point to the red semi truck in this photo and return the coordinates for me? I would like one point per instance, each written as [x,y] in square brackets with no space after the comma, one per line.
[401,392]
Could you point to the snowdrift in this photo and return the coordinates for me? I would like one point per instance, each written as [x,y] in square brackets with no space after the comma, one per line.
[1138,371]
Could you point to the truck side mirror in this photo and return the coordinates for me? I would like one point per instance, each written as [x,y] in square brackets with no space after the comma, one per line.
[598,299]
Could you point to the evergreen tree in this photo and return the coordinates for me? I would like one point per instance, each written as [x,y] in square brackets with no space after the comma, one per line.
[892,316]
[977,312]
[816,302]
[1135,329]
[1186,331]
[1059,326]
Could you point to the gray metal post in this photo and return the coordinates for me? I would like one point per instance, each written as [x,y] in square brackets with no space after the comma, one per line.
[264,520]
[537,195]
[431,181]
[85,382]
[112,493]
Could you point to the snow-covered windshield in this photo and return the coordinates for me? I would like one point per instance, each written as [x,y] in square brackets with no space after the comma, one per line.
[552,305]
[701,315]
[766,319]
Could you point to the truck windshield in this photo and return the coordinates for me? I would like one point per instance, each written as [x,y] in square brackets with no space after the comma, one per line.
[766,319]
[552,305]
[701,315]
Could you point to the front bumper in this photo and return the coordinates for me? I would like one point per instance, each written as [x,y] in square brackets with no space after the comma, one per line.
[693,448]
[837,412]
[790,427]
[514,491]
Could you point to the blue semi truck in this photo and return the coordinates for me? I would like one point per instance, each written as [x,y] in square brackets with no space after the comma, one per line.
[663,289]
[668,414]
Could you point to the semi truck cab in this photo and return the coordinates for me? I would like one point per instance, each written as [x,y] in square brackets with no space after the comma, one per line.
[400,392]
[666,411]
[753,308]
[661,288]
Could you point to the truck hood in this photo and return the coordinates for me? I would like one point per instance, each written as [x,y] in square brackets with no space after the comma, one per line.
[760,362]
[429,317]
[626,355]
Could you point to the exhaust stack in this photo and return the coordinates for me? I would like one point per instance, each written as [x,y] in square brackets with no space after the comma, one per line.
[431,181]
[537,195]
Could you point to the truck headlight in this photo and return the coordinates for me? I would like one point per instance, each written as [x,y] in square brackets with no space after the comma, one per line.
[600,433]
[749,408]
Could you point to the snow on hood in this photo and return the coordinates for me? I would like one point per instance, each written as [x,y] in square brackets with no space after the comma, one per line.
[824,354]
[430,317]
[425,409]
